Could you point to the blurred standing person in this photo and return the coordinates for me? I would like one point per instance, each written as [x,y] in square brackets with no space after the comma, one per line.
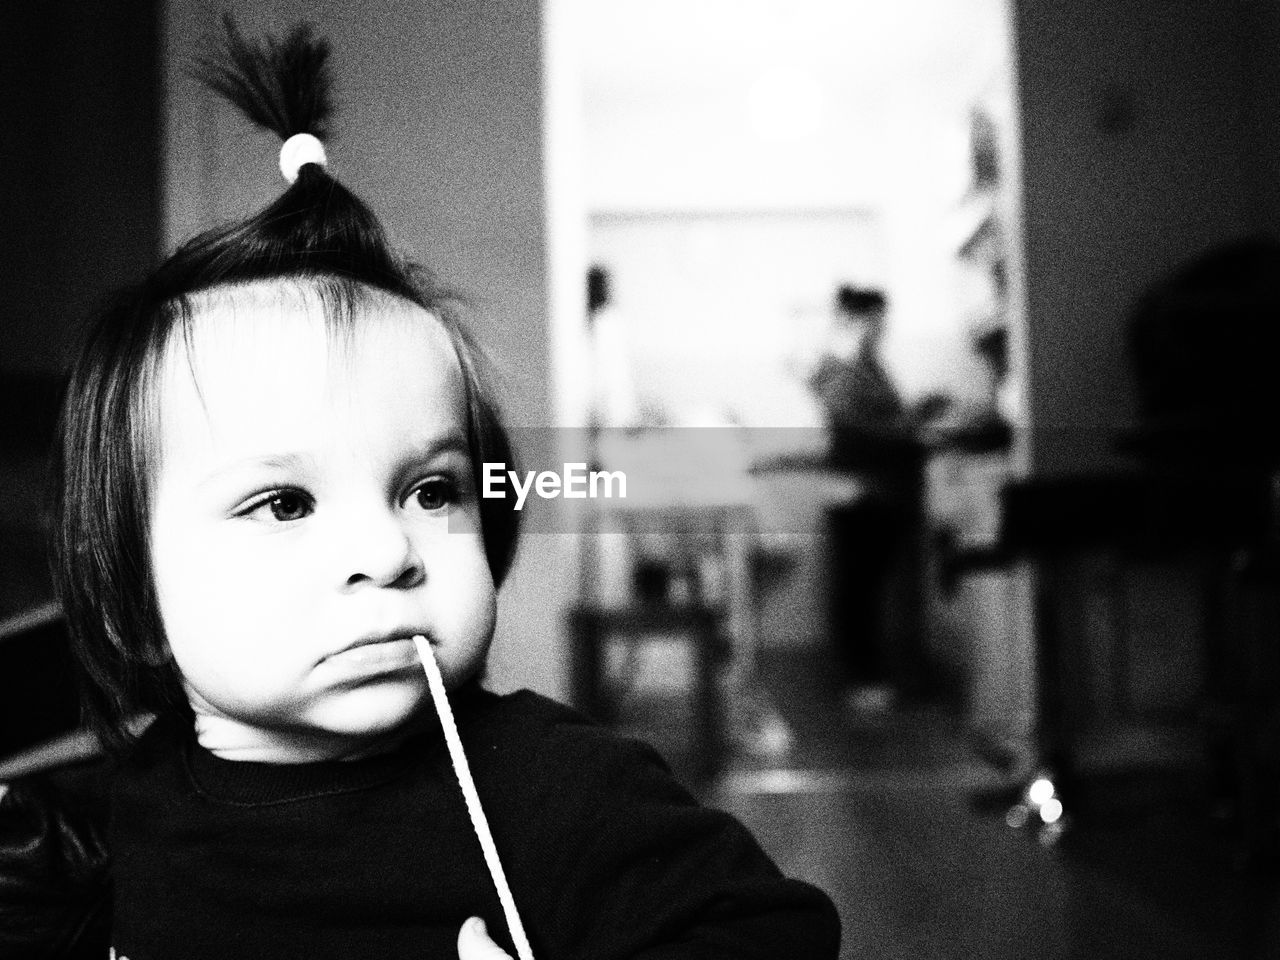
[611,407]
[873,434]
[849,378]
[612,399]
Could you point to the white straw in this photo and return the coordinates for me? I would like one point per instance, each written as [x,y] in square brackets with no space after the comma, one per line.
[478,821]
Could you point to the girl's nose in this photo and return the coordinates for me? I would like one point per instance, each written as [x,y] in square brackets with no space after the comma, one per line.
[377,551]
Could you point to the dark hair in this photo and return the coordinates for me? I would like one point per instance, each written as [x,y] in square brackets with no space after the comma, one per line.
[317,234]
[853,299]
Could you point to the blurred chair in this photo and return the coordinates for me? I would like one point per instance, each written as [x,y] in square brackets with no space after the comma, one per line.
[680,570]
[39,709]
[1219,525]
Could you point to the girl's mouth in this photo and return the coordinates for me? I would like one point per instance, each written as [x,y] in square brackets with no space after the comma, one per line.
[377,656]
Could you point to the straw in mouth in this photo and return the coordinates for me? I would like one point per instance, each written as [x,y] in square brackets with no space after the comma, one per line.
[463,772]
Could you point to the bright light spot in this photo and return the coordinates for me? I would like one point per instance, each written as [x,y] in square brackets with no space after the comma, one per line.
[786,104]
[1040,792]
[1051,811]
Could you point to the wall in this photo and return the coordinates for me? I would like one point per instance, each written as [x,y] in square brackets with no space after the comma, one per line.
[79,160]
[890,145]
[80,168]
[724,309]
[1148,134]
[440,129]
[1260,33]
[1137,155]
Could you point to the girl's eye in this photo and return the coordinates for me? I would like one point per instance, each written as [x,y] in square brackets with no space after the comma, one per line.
[434,493]
[286,506]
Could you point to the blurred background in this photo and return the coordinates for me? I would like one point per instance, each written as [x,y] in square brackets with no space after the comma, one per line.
[936,340]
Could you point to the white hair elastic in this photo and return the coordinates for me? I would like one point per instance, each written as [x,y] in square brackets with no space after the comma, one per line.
[463,772]
[300,149]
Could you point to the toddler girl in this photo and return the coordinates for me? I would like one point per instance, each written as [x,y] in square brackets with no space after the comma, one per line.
[268,485]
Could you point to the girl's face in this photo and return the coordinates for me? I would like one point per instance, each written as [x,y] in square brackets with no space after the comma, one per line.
[313,508]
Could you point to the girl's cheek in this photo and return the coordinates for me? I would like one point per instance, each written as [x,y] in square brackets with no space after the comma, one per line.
[474,581]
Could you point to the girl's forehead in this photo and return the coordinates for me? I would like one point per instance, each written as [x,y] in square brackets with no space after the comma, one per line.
[269,352]
[279,329]
[349,316]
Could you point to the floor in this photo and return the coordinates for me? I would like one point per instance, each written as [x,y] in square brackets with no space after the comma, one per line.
[883,814]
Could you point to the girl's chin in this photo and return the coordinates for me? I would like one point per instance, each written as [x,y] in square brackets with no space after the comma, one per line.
[372,710]
[373,718]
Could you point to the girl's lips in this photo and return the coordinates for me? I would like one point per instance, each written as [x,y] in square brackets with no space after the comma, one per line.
[378,656]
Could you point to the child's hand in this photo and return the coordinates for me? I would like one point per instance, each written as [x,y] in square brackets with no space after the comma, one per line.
[474,943]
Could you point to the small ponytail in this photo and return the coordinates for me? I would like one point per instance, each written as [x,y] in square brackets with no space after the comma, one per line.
[281,85]
[317,227]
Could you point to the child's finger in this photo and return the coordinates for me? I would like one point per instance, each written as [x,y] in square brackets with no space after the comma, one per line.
[474,943]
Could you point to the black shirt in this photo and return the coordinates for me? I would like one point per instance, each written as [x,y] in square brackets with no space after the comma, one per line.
[607,856]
